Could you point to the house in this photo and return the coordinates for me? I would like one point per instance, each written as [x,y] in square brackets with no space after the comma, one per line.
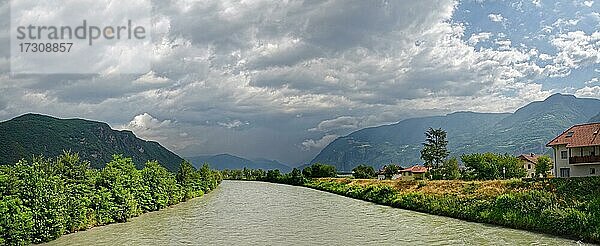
[577,151]
[414,172]
[529,162]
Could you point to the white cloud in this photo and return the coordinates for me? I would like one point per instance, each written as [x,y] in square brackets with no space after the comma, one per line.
[339,123]
[588,91]
[479,37]
[318,144]
[233,124]
[496,17]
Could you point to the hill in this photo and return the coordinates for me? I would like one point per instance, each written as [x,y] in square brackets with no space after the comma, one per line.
[34,134]
[595,118]
[227,161]
[525,131]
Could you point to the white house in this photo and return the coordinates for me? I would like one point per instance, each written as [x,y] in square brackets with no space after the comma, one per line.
[577,151]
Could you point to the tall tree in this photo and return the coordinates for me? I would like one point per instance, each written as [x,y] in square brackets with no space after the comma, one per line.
[543,165]
[363,172]
[435,149]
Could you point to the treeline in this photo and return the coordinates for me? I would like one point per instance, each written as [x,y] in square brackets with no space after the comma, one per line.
[295,177]
[46,198]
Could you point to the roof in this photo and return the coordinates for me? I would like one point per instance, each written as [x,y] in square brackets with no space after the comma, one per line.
[530,158]
[578,136]
[415,169]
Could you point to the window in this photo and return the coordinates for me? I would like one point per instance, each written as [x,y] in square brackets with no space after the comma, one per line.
[529,166]
[592,171]
[570,134]
[565,172]
[564,154]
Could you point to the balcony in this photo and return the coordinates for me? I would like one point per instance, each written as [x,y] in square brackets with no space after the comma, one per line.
[584,159]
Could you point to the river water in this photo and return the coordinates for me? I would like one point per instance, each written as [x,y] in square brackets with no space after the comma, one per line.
[257,213]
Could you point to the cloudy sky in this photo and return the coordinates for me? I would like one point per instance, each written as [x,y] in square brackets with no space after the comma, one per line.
[281,79]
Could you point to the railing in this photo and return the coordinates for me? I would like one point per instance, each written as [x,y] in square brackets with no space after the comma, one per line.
[583,159]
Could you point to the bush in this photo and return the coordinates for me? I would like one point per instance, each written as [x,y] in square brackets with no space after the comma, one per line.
[42,200]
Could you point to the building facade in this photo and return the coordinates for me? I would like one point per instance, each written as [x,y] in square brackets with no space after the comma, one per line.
[577,151]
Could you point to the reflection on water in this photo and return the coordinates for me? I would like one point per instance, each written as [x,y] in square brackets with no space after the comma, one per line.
[242,213]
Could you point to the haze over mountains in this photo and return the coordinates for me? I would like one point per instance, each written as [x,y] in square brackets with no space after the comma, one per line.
[33,134]
[227,161]
[525,131]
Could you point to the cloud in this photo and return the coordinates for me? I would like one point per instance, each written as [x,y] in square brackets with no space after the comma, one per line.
[233,124]
[327,66]
[479,37]
[496,17]
[339,123]
[588,91]
[309,144]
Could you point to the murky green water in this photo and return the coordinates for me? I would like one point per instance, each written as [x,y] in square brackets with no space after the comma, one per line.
[256,213]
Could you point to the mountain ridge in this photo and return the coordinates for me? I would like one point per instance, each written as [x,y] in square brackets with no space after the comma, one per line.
[525,131]
[229,161]
[36,134]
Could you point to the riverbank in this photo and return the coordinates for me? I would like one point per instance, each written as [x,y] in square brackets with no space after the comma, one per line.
[47,198]
[567,208]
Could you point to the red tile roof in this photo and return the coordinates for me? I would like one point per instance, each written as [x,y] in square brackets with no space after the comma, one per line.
[415,169]
[578,136]
[530,157]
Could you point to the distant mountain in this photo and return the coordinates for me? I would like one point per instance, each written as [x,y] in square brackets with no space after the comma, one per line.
[595,118]
[227,161]
[525,131]
[34,134]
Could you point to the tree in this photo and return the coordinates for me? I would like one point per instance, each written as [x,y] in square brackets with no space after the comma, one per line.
[319,170]
[390,170]
[543,166]
[363,172]
[435,150]
[450,169]
[488,166]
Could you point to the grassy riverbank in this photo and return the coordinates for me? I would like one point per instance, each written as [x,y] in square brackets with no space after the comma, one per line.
[46,198]
[563,207]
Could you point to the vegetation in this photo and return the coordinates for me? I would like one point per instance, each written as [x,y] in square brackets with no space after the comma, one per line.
[543,166]
[449,169]
[563,207]
[363,172]
[390,170]
[435,148]
[46,198]
[490,166]
[319,170]
[33,134]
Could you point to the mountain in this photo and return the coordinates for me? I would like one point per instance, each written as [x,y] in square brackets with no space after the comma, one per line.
[595,119]
[525,131]
[227,161]
[34,134]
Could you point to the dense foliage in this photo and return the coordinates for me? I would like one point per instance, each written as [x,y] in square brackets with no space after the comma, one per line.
[490,166]
[46,198]
[563,207]
[319,170]
[543,166]
[390,169]
[363,172]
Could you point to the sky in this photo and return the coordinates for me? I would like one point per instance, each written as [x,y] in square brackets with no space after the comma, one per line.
[282,79]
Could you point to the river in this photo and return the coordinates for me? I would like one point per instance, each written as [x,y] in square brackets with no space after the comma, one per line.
[257,213]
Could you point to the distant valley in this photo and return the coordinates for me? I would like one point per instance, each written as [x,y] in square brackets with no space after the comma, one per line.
[227,161]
